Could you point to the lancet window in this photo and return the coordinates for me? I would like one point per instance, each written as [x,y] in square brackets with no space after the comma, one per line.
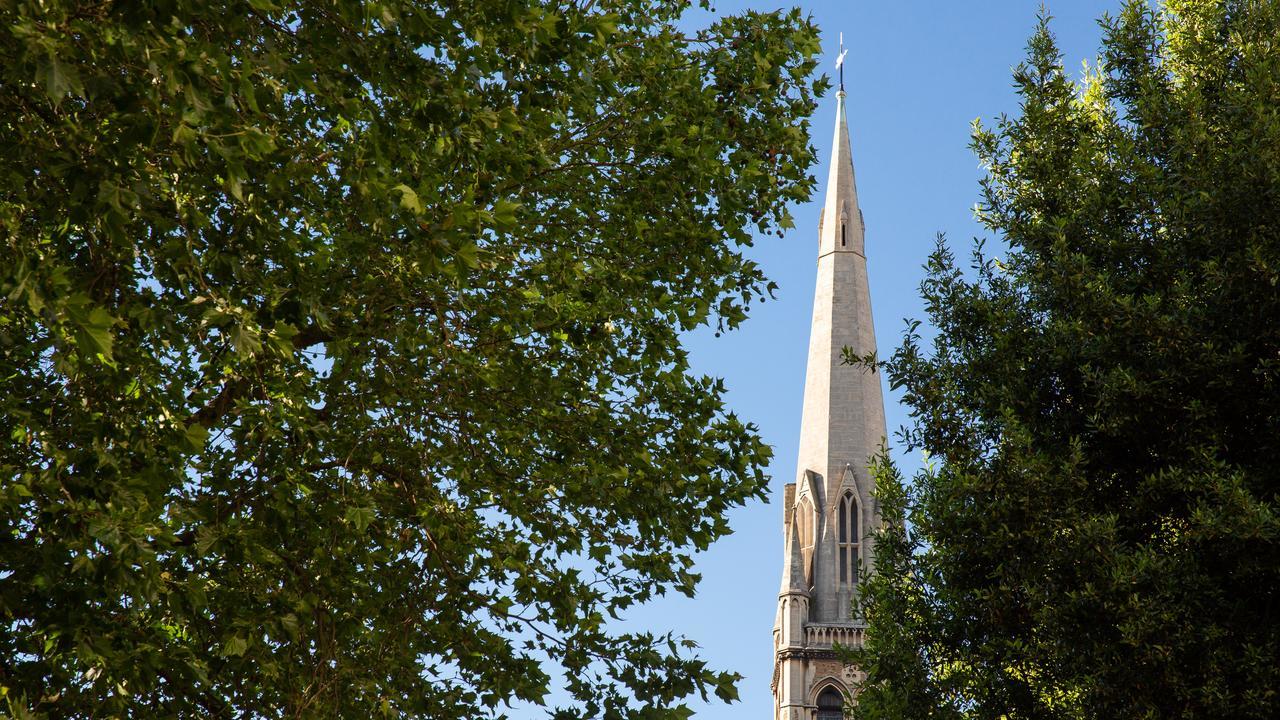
[830,705]
[848,533]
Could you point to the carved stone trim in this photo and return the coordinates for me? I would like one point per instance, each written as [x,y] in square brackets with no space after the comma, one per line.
[805,654]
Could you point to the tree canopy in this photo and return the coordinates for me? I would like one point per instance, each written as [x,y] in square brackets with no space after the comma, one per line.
[1095,534]
[340,358]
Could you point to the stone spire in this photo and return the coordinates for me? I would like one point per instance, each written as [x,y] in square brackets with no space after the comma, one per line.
[829,511]
[793,575]
[843,422]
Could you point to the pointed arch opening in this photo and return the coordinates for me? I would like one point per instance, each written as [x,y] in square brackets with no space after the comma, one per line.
[848,536]
[830,704]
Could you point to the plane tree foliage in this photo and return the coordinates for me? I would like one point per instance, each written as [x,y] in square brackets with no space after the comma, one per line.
[1095,532]
[341,369]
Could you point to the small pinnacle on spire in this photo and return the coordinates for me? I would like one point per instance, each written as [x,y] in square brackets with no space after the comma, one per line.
[840,61]
[793,575]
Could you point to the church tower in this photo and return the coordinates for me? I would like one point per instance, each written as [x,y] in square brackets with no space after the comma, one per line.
[829,512]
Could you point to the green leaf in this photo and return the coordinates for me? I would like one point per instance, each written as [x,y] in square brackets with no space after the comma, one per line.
[290,624]
[282,336]
[235,647]
[360,517]
[195,437]
[409,199]
[93,333]
[59,79]
[468,254]
[504,214]
[246,340]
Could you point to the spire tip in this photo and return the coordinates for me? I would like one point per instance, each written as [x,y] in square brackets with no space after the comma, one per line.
[840,61]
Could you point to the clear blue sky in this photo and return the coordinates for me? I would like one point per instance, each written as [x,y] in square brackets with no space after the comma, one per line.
[918,73]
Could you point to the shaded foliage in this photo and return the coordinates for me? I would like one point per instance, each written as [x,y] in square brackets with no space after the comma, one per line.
[340,369]
[1098,536]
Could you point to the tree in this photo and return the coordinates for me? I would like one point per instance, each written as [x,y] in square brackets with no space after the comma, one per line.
[1097,532]
[340,357]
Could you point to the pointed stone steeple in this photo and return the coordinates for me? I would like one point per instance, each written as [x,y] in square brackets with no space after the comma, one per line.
[793,579]
[843,422]
[830,511]
[840,227]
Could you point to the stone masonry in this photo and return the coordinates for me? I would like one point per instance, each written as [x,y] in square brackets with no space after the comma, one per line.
[829,512]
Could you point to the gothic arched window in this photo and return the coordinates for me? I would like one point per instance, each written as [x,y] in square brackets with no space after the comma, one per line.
[830,705]
[848,536]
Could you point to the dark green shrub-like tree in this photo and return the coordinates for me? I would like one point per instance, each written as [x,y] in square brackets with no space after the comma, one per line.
[340,370]
[1097,534]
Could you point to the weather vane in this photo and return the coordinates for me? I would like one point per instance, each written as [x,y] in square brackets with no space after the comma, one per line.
[840,61]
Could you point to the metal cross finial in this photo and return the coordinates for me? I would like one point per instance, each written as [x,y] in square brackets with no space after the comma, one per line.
[840,61]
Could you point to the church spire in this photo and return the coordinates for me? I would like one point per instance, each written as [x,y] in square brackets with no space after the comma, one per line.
[830,510]
[840,226]
[843,422]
